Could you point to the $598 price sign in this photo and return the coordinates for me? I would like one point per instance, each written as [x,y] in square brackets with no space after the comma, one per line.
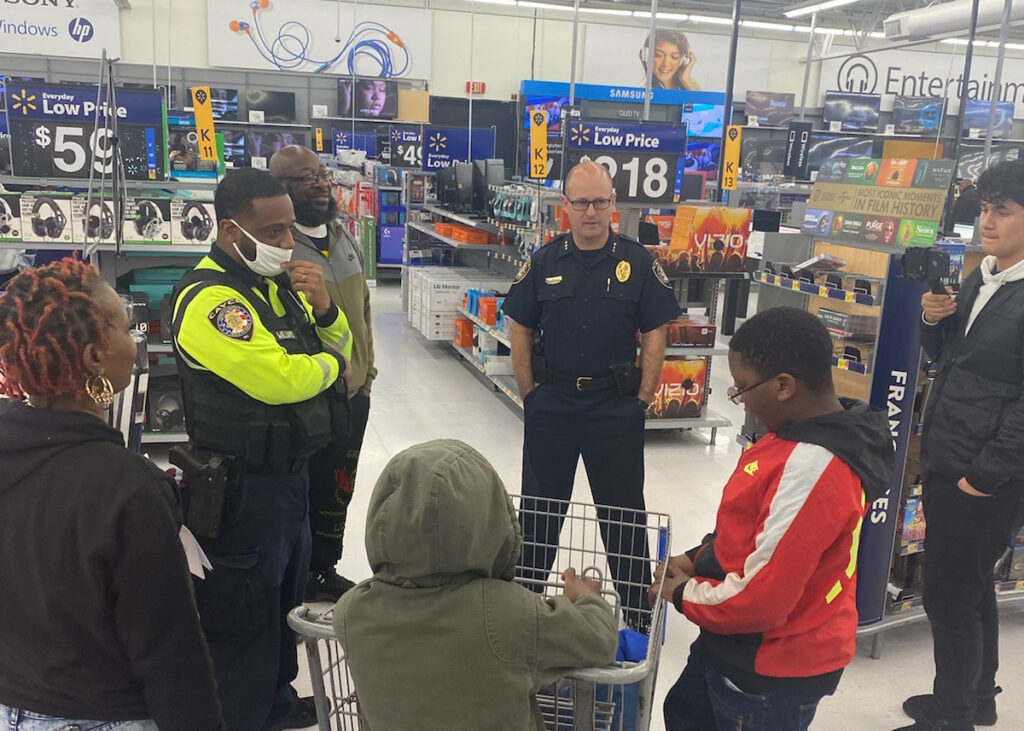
[73,148]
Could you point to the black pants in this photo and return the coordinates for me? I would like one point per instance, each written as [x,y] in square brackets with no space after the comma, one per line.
[608,431]
[964,538]
[260,564]
[332,478]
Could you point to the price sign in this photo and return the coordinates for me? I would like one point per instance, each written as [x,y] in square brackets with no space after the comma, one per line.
[646,162]
[53,132]
[406,147]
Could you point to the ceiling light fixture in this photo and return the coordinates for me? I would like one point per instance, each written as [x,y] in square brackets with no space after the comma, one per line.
[798,11]
[605,11]
[765,26]
[544,6]
[710,19]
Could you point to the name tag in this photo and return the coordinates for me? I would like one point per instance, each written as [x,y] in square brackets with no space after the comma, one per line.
[285,335]
[553,280]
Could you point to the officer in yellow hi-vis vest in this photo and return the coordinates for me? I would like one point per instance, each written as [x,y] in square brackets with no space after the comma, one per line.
[263,354]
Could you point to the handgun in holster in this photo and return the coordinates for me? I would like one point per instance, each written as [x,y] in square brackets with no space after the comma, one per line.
[627,378]
[210,481]
[538,363]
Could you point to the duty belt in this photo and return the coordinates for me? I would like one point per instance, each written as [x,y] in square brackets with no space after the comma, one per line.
[580,383]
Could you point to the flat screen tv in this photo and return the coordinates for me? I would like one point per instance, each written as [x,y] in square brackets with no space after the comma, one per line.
[771,109]
[277,106]
[856,112]
[915,115]
[234,147]
[550,104]
[264,144]
[693,186]
[223,101]
[763,153]
[976,117]
[824,145]
[972,158]
[368,98]
[183,146]
[703,120]
[702,155]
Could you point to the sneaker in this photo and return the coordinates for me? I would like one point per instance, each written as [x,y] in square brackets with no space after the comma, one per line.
[326,586]
[303,715]
[923,708]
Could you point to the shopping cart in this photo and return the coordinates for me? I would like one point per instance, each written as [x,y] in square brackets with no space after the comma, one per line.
[613,698]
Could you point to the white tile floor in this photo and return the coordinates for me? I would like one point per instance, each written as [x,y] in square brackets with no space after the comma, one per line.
[424,392]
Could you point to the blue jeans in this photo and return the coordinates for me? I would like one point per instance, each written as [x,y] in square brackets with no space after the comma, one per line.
[703,700]
[13,719]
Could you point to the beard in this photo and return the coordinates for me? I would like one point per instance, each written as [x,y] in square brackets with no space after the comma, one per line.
[307,215]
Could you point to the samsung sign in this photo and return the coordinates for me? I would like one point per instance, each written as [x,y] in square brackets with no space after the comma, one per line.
[903,73]
[76,28]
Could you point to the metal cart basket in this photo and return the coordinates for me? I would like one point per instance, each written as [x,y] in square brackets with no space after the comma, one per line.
[614,698]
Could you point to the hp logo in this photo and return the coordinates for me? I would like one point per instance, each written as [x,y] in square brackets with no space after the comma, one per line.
[858,74]
[81,30]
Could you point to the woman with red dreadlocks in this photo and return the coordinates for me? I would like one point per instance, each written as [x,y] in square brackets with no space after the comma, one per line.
[97,620]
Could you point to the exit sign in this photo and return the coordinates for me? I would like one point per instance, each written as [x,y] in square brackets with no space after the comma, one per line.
[476,87]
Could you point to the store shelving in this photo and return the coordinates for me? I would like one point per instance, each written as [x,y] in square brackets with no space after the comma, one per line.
[499,335]
[476,223]
[164,437]
[429,231]
[816,290]
[190,184]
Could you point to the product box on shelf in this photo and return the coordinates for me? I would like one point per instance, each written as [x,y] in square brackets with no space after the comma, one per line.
[690,332]
[93,220]
[851,349]
[680,390]
[913,526]
[46,218]
[487,310]
[193,222]
[845,324]
[147,221]
[10,217]
[463,332]
[713,239]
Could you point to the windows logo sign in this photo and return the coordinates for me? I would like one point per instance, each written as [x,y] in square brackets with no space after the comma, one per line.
[81,30]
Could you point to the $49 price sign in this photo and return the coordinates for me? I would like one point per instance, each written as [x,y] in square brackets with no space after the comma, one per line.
[73,148]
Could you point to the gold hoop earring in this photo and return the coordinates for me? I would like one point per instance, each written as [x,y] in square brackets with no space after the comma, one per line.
[100,390]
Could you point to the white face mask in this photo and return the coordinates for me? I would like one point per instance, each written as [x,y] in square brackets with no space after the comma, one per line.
[269,259]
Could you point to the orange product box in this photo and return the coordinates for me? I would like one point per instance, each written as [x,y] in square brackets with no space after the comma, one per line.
[680,391]
[665,225]
[467,235]
[463,332]
[487,310]
[896,173]
[675,262]
[443,228]
[714,238]
[690,332]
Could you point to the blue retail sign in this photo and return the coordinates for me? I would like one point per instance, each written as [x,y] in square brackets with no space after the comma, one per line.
[633,94]
[893,388]
[648,138]
[443,147]
[59,102]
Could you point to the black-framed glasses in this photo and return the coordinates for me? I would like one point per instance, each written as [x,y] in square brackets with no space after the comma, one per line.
[582,204]
[324,176]
[736,394]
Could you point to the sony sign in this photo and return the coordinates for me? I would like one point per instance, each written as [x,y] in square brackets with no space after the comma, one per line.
[903,73]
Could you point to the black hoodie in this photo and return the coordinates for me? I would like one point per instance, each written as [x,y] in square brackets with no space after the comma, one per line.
[97,619]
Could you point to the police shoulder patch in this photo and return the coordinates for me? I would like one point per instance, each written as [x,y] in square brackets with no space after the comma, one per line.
[523,270]
[232,318]
[660,274]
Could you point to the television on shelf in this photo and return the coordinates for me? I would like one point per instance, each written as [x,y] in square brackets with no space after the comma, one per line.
[915,115]
[367,98]
[234,147]
[183,147]
[762,153]
[976,117]
[262,144]
[855,112]
[771,109]
[703,120]
[550,104]
[702,156]
[224,103]
[973,162]
[824,145]
[277,106]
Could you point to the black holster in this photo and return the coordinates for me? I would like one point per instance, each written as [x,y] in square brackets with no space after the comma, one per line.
[627,378]
[210,486]
[538,363]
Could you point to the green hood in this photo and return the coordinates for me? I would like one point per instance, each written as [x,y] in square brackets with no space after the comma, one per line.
[439,515]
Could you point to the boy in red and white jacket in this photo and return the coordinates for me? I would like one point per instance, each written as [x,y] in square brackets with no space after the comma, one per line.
[773,589]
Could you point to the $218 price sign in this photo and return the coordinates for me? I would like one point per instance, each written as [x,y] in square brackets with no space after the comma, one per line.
[636,177]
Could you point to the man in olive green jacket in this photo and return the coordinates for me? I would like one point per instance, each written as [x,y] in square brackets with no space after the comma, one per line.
[322,239]
[441,639]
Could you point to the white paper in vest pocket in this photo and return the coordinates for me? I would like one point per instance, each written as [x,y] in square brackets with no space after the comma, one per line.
[194,553]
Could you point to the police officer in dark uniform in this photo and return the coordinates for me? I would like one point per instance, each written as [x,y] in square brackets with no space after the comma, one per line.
[588,293]
[263,353]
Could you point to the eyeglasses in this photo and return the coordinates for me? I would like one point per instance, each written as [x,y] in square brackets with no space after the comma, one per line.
[736,394]
[324,176]
[583,204]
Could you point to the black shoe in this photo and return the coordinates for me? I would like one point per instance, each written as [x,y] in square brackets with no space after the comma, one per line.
[326,586]
[303,715]
[938,725]
[923,708]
